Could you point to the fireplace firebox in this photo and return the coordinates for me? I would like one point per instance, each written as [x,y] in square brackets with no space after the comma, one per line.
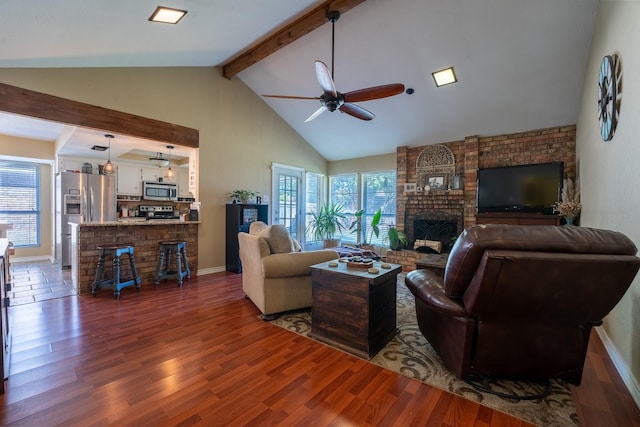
[438,227]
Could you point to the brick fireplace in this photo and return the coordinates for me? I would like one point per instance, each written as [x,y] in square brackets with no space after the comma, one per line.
[474,152]
[423,222]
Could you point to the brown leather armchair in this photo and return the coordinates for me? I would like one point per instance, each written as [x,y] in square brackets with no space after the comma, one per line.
[520,301]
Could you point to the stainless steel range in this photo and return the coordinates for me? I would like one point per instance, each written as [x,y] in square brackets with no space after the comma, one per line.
[158,212]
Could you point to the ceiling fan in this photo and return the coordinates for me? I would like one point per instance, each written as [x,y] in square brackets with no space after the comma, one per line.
[333,100]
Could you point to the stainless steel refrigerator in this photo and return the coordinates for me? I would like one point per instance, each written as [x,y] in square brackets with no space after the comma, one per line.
[84,199]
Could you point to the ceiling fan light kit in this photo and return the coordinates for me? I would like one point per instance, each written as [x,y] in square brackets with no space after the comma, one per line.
[332,100]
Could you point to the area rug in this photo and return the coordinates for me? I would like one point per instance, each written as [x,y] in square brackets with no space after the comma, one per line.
[410,354]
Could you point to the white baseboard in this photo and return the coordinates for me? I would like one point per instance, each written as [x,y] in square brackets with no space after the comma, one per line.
[629,381]
[211,270]
[15,259]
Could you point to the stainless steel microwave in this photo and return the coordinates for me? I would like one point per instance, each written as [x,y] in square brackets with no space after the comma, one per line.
[166,191]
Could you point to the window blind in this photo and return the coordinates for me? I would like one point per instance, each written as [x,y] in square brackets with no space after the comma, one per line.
[20,201]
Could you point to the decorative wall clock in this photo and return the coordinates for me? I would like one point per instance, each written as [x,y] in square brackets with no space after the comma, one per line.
[607,98]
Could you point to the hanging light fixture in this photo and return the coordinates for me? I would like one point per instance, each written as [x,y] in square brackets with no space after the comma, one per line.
[108,167]
[158,160]
[170,173]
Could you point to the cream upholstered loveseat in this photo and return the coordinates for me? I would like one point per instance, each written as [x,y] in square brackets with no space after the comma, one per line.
[275,271]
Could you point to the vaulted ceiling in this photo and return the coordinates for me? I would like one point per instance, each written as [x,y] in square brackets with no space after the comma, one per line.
[520,63]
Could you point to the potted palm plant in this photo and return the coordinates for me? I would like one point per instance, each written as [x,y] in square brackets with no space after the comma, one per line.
[326,223]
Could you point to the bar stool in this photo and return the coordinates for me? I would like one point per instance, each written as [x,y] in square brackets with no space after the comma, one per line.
[164,271]
[114,281]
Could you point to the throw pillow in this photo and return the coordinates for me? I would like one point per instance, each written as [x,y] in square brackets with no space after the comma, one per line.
[277,238]
[296,246]
[256,227]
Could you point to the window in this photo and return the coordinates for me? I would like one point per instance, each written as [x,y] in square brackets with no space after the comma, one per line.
[379,192]
[343,190]
[20,201]
[315,195]
[372,191]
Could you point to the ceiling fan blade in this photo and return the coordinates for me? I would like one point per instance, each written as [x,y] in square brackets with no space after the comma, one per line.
[375,92]
[324,78]
[316,114]
[291,97]
[356,111]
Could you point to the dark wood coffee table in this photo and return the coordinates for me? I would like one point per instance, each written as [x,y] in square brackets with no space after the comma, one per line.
[352,309]
[433,262]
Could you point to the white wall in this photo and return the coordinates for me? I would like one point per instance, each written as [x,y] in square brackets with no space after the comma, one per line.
[610,171]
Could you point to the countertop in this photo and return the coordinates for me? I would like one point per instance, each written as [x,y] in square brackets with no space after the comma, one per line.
[138,222]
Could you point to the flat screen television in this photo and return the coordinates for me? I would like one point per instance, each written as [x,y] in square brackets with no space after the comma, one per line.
[526,188]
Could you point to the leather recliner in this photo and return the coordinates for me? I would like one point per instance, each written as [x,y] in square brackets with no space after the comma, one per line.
[520,301]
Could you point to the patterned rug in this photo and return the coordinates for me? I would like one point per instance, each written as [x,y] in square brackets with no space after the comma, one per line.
[410,354]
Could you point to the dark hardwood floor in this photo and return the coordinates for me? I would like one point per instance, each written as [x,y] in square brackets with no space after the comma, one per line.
[199,356]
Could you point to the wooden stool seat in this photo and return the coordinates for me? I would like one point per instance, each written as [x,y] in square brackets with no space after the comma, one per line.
[115,281]
[164,270]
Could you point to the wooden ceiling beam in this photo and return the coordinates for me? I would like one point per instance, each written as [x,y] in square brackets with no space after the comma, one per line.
[285,35]
[26,102]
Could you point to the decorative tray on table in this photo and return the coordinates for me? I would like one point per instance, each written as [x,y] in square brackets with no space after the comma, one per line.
[358,262]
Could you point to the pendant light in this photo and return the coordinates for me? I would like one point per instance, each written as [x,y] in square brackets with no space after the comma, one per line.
[108,167]
[170,173]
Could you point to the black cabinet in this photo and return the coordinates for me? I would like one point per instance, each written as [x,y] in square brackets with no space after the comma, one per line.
[239,217]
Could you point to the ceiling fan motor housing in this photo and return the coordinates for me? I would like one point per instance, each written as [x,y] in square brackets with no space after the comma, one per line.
[332,103]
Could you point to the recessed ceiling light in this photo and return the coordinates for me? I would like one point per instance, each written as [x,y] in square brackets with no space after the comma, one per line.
[444,77]
[99,148]
[167,15]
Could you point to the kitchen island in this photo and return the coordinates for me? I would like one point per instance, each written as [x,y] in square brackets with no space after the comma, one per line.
[144,235]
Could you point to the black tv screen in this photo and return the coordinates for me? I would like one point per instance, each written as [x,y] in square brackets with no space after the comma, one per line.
[526,188]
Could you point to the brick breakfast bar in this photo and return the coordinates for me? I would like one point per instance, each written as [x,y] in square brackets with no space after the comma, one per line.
[145,236]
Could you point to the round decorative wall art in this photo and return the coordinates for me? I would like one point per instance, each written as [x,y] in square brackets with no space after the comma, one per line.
[608,96]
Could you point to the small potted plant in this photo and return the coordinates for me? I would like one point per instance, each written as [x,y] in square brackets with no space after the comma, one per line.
[397,239]
[326,223]
[242,196]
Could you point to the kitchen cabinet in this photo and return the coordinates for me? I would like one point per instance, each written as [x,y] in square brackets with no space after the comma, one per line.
[182,178]
[129,180]
[153,173]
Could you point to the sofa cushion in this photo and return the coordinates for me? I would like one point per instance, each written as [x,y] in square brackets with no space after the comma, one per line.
[294,264]
[278,239]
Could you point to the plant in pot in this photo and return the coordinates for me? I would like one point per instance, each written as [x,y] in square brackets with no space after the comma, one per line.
[242,196]
[357,227]
[397,239]
[326,223]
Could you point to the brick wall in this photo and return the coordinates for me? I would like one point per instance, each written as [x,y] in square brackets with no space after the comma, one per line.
[474,152]
[144,238]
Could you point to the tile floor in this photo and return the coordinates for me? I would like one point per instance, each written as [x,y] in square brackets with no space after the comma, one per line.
[39,281]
